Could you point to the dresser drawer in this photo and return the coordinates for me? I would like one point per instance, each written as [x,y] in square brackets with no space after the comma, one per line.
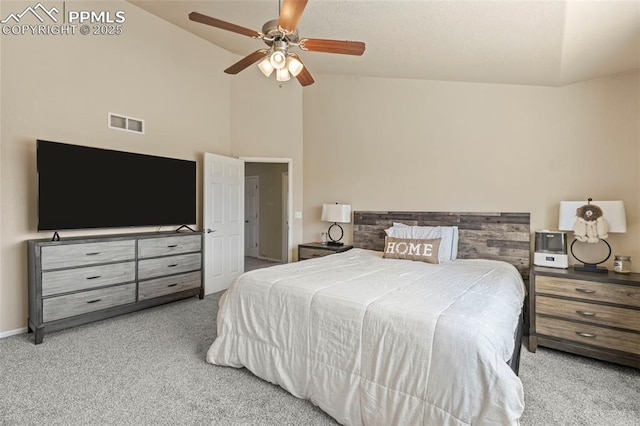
[151,268]
[70,255]
[59,307]
[589,334]
[167,285]
[153,247]
[588,290]
[67,280]
[589,312]
[310,253]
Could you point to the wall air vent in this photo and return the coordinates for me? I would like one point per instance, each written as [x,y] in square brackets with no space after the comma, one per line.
[128,124]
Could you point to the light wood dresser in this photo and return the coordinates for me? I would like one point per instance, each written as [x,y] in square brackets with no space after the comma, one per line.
[79,280]
[590,314]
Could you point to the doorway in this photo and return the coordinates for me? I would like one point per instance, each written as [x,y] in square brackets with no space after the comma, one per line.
[251,210]
[268,203]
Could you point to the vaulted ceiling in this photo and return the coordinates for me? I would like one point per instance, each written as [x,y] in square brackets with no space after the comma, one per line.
[541,42]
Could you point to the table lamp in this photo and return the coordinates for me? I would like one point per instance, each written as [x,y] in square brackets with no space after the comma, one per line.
[336,213]
[612,212]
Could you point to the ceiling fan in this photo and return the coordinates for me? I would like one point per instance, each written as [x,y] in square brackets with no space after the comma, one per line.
[280,35]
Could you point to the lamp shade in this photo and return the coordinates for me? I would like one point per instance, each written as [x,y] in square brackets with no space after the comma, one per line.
[266,67]
[612,211]
[278,60]
[338,213]
[294,66]
[283,75]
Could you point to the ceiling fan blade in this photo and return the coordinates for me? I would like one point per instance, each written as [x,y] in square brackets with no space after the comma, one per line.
[246,61]
[204,19]
[304,78]
[290,14]
[333,46]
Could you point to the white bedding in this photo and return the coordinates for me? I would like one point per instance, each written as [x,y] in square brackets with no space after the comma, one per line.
[380,341]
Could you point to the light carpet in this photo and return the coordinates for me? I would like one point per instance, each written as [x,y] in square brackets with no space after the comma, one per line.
[148,368]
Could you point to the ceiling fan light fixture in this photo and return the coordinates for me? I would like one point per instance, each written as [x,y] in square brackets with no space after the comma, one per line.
[278,57]
[278,60]
[294,66]
[279,35]
[266,67]
[283,75]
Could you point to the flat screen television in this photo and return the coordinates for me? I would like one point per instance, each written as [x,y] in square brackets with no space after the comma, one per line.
[83,187]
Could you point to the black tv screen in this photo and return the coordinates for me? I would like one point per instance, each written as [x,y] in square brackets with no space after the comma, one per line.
[82,187]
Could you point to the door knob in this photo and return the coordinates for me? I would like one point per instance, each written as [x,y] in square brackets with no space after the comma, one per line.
[209,230]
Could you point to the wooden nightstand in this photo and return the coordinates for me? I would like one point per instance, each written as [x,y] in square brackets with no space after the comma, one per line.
[589,314]
[311,250]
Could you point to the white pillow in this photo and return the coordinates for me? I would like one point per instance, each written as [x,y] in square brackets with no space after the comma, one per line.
[449,235]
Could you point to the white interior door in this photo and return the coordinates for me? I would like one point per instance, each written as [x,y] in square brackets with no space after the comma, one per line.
[223,221]
[251,209]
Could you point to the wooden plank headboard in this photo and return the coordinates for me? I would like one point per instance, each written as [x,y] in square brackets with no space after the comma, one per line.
[495,236]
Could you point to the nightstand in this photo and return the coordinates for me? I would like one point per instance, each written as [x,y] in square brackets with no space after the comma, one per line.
[312,250]
[595,315]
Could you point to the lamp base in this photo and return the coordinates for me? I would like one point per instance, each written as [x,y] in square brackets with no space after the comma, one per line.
[335,241]
[590,267]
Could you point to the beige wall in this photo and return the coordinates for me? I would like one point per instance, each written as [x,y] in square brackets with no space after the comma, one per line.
[383,144]
[375,143]
[266,121]
[270,204]
[61,87]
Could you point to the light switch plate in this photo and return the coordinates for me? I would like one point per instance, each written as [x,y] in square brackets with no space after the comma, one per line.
[297,215]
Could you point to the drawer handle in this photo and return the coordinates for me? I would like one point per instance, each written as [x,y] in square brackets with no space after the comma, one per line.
[94,301]
[589,335]
[586,314]
[94,277]
[173,246]
[172,265]
[172,285]
[582,290]
[93,254]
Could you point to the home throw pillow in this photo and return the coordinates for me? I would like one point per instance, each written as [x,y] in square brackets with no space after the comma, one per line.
[448,234]
[411,249]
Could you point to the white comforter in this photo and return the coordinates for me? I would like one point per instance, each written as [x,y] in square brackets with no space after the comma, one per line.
[379,341]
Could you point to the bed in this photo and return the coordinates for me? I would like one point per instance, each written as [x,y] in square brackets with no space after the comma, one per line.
[380,341]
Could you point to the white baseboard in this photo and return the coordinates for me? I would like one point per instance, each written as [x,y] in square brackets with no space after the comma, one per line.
[13,332]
